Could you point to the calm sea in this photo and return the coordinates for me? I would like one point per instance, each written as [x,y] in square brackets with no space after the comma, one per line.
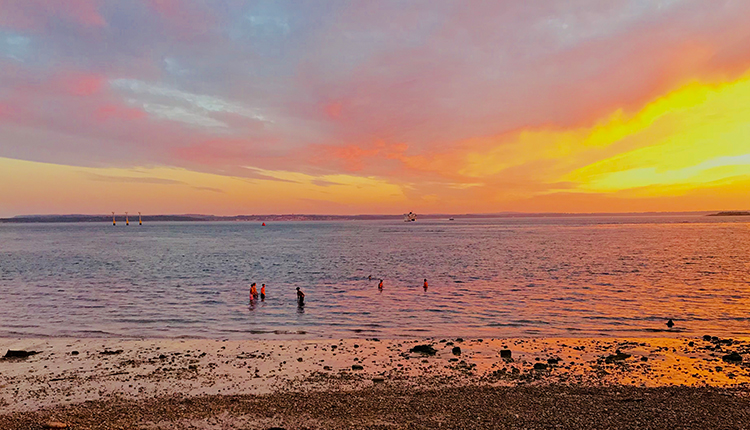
[614,276]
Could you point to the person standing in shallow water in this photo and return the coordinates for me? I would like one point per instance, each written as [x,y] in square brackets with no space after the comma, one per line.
[253,292]
[263,293]
[380,285]
[300,297]
[425,284]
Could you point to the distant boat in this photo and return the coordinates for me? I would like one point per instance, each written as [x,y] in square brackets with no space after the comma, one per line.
[450,219]
[410,217]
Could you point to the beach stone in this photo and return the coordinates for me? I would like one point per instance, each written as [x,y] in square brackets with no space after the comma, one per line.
[539,366]
[378,380]
[19,353]
[357,367]
[460,339]
[505,353]
[55,425]
[110,352]
[734,357]
[74,352]
[424,349]
[553,360]
[620,356]
[707,337]
[456,350]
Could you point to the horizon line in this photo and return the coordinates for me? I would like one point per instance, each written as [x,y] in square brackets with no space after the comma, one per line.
[479,214]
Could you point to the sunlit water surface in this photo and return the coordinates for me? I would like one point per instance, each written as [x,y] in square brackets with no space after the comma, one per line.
[615,276]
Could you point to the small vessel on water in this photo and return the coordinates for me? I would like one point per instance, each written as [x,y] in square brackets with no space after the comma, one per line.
[451,219]
[410,217]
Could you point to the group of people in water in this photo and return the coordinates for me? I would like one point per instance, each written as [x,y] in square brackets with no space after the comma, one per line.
[254,294]
[300,295]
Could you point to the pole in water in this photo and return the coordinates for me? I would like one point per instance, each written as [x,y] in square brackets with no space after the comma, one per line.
[126,219]
[139,219]
[113,219]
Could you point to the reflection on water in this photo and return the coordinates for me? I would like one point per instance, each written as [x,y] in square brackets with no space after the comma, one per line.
[621,276]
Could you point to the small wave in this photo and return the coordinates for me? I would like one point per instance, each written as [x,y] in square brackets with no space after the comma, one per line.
[211,302]
[504,325]
[530,322]
[289,332]
[661,330]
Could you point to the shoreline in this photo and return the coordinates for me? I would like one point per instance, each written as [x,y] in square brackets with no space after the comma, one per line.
[68,371]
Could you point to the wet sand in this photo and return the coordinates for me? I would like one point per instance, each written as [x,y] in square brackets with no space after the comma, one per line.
[197,383]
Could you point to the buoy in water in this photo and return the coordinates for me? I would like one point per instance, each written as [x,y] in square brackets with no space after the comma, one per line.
[264,224]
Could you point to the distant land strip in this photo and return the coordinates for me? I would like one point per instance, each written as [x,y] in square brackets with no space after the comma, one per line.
[27,219]
[735,213]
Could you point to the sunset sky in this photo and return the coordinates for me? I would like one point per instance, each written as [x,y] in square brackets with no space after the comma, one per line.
[349,107]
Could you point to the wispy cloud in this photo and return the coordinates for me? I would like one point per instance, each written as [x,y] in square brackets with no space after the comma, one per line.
[131,179]
[173,104]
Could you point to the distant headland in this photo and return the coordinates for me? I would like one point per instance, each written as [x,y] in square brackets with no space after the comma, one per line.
[731,213]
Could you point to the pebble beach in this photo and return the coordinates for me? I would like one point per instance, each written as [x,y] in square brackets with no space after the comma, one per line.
[364,383]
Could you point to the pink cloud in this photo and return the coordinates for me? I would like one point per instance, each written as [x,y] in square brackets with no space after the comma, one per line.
[333,109]
[83,84]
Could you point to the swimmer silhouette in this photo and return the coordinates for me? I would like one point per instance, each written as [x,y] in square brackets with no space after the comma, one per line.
[670,323]
[380,285]
[369,278]
[425,284]
[300,298]
[263,293]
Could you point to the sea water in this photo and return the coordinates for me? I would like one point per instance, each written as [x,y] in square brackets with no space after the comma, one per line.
[502,277]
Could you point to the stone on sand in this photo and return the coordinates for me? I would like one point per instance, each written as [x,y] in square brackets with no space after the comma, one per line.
[733,357]
[424,349]
[19,353]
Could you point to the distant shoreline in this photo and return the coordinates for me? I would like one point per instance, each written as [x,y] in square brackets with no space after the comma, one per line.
[731,213]
[77,218]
